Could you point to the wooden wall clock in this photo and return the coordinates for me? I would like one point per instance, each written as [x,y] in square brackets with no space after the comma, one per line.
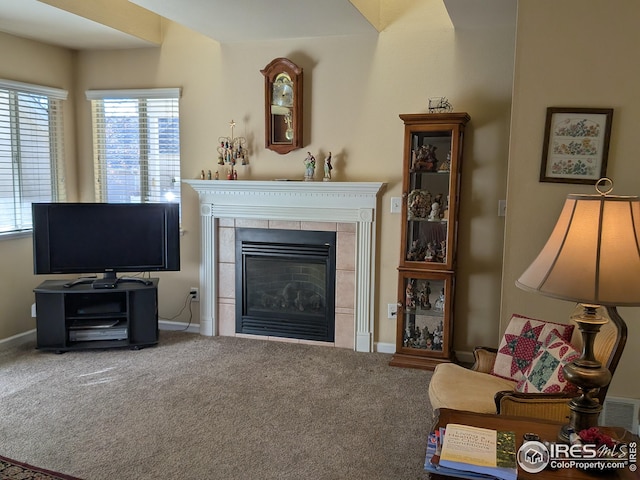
[283,105]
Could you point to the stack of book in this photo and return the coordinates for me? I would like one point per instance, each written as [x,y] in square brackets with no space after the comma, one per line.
[473,453]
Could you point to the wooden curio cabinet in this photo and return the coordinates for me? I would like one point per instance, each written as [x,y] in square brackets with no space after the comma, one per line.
[432,160]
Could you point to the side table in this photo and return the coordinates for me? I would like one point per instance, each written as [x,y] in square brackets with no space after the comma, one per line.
[546,430]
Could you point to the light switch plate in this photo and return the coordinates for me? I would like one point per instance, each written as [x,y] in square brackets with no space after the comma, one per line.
[396,204]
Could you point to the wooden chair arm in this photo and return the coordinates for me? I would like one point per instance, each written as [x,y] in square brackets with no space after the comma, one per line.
[550,406]
[485,358]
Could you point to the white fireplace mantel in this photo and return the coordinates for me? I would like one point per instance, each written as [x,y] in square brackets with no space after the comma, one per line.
[347,202]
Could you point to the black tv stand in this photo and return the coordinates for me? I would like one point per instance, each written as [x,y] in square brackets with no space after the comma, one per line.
[84,317]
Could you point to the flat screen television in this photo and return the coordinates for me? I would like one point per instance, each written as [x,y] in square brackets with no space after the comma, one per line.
[105,238]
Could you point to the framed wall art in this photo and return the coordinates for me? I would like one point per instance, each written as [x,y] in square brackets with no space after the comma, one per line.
[576,145]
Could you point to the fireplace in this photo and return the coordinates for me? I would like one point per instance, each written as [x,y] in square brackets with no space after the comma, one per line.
[285,283]
[348,208]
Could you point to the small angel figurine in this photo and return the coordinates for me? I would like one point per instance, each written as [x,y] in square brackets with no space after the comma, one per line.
[434,215]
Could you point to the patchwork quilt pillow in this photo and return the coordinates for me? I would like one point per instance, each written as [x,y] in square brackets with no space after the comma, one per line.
[545,374]
[521,342]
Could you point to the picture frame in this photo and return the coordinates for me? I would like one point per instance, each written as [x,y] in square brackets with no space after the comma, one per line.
[576,145]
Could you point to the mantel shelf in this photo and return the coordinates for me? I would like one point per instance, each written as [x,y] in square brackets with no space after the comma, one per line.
[275,187]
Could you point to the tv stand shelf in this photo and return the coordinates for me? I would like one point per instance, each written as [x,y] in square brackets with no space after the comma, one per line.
[81,317]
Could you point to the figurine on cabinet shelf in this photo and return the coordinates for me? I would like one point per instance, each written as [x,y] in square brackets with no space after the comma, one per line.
[439,304]
[406,337]
[415,252]
[425,293]
[445,211]
[410,297]
[442,252]
[445,167]
[327,168]
[419,204]
[438,334]
[424,159]
[430,255]
[434,215]
[310,167]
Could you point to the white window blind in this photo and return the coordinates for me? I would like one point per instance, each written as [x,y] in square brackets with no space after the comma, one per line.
[136,145]
[31,151]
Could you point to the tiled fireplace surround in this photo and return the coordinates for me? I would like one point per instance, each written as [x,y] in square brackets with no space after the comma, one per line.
[348,208]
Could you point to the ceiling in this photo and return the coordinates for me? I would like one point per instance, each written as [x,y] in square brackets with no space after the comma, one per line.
[38,21]
[223,20]
[96,24]
[230,21]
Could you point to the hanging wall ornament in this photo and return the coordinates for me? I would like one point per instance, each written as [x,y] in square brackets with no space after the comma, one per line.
[232,150]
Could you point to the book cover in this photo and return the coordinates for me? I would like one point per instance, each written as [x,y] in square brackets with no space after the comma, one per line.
[479,450]
[432,458]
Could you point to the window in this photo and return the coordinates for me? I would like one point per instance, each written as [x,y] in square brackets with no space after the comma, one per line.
[136,145]
[31,151]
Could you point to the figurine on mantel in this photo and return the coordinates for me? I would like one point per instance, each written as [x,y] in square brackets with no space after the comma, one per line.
[327,168]
[232,173]
[310,167]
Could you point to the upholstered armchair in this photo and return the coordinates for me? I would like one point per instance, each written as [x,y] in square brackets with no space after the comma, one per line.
[528,387]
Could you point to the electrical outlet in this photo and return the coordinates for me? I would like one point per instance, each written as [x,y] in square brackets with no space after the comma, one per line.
[195,294]
[502,208]
[392,310]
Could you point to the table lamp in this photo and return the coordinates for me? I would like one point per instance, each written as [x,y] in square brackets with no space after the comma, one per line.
[593,258]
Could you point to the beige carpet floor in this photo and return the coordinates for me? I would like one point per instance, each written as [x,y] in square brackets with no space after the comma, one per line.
[199,407]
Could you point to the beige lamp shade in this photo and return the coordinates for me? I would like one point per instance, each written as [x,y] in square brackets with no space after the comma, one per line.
[593,254]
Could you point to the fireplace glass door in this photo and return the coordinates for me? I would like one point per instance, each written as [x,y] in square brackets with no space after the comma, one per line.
[285,283]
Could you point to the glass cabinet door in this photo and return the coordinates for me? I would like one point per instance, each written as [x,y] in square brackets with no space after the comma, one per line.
[430,194]
[428,199]
[424,314]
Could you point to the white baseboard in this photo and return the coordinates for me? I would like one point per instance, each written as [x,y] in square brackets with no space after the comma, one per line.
[19,339]
[167,325]
[385,347]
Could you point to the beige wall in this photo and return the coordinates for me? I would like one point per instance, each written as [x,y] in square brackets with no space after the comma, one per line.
[355,88]
[573,53]
[32,62]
